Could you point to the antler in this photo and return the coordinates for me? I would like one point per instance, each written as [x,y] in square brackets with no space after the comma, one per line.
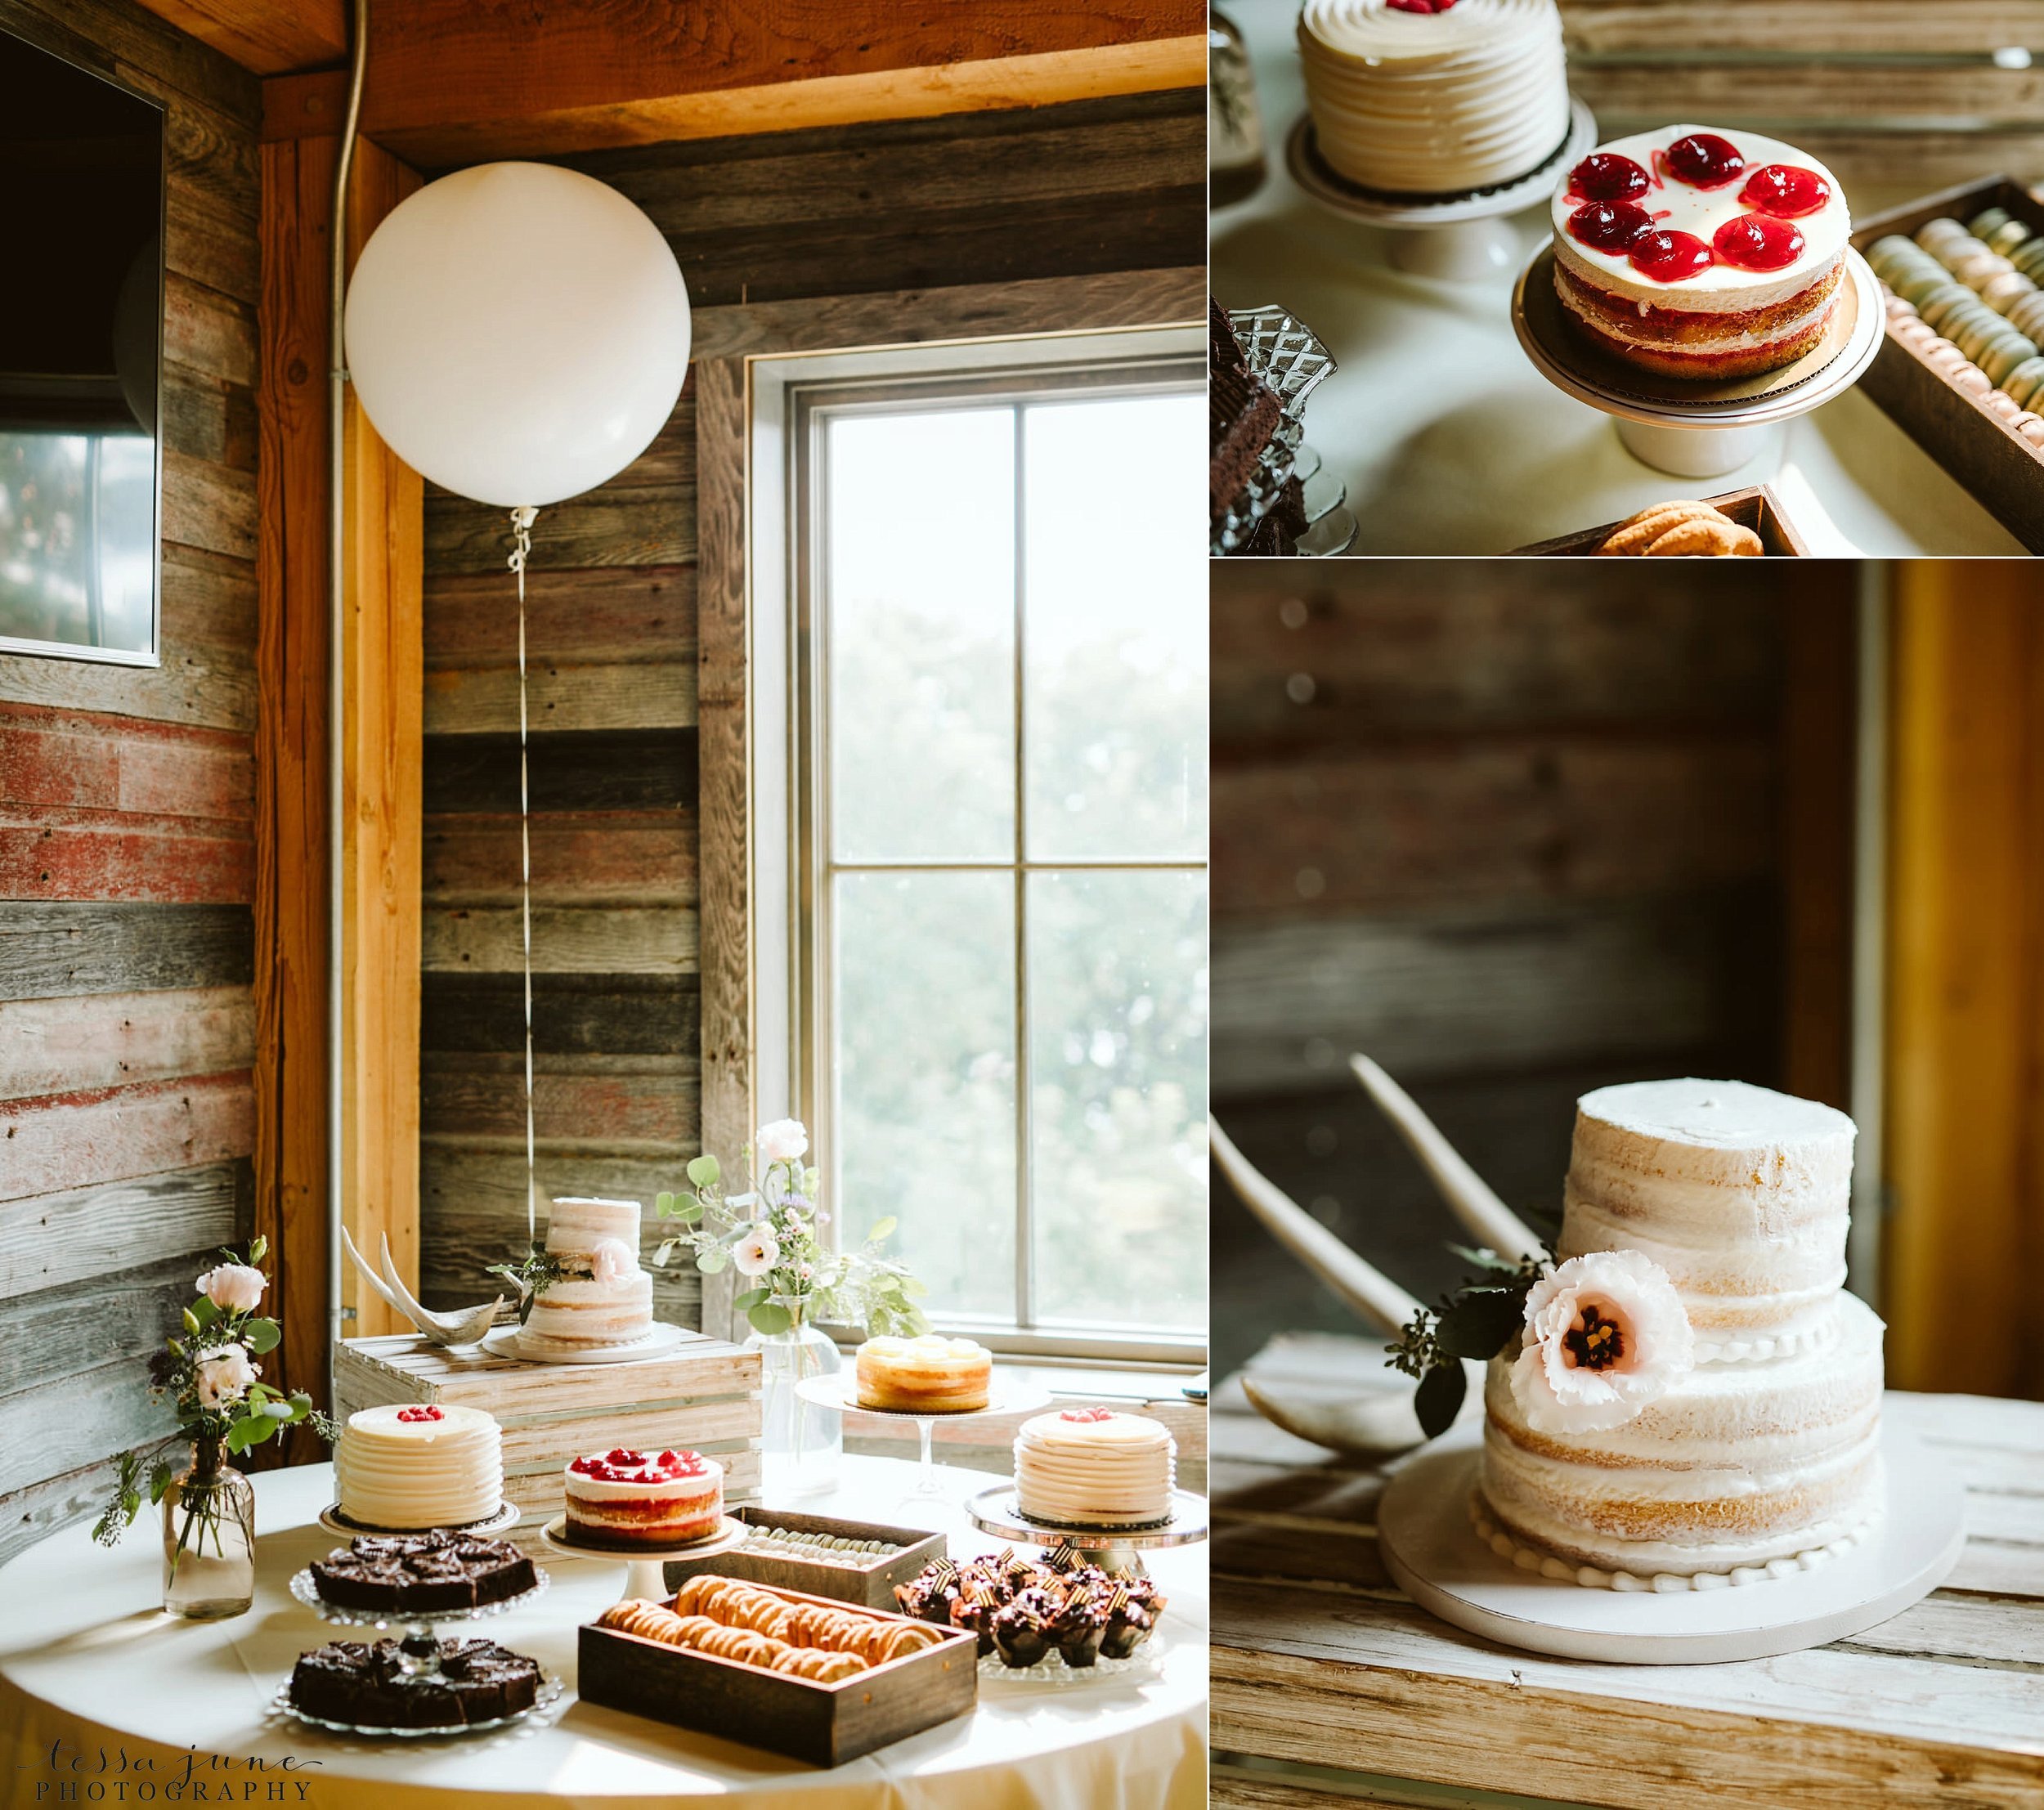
[1468,1196]
[1363,1286]
[368,1275]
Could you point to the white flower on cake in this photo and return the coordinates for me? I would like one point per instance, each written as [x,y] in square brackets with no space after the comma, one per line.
[233,1288]
[223,1375]
[1606,1334]
[756,1253]
[611,1262]
[784,1140]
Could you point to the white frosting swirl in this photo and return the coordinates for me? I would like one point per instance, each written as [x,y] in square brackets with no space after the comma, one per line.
[1435,103]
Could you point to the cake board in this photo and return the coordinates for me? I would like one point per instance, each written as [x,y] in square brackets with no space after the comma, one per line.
[1462,238]
[1436,1556]
[1725,426]
[661,1340]
[645,1569]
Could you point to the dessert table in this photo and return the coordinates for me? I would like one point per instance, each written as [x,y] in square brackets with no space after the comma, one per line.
[1447,439]
[101,1692]
[1330,1684]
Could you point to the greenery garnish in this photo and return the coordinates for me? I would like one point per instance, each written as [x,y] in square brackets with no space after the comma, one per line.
[1479,1318]
[539,1271]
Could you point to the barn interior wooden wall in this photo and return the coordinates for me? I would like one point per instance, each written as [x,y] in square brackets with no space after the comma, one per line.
[1076,189]
[127,856]
[1516,830]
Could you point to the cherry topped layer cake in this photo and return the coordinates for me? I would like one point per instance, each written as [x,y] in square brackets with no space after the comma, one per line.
[622,1498]
[1698,254]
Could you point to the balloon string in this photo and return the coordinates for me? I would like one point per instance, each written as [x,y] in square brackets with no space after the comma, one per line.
[522,520]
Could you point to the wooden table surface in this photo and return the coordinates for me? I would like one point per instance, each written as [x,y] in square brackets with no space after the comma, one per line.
[1331,1687]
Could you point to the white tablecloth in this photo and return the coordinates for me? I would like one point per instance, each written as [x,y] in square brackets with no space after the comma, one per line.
[102,1692]
[1449,441]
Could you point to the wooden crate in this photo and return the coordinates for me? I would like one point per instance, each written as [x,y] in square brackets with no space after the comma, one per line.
[823,1724]
[1756,507]
[871,1584]
[2004,473]
[704,1395]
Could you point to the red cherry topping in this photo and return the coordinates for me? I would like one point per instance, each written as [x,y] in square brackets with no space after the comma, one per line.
[410,1415]
[1786,190]
[1669,256]
[619,1454]
[1419,6]
[1758,242]
[1609,226]
[1705,161]
[1603,176]
[1090,1417]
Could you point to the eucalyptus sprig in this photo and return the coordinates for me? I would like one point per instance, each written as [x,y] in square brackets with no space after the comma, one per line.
[1478,1319]
[532,1277]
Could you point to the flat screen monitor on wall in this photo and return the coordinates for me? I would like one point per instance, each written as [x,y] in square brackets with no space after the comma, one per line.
[81,339]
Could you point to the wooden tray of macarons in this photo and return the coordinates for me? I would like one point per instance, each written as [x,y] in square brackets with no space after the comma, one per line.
[808,1676]
[1960,370]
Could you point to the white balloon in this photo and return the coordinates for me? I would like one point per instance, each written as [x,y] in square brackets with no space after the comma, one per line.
[518,333]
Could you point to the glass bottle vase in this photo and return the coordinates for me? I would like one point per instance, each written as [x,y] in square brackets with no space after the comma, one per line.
[800,1444]
[208,1538]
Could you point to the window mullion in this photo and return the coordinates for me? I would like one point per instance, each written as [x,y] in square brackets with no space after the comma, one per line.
[1024,1200]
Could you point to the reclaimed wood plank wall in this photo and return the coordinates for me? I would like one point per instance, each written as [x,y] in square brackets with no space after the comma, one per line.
[1056,191]
[1895,96]
[1515,829]
[127,857]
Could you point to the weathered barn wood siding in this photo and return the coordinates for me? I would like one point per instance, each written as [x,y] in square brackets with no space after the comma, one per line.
[127,1022]
[1515,829]
[1860,83]
[611,641]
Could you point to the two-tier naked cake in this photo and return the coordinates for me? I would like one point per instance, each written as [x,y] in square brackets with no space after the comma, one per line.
[1698,254]
[603,1297]
[1696,1399]
[1435,98]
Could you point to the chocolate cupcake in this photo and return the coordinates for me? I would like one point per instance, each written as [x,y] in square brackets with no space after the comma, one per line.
[1022,1630]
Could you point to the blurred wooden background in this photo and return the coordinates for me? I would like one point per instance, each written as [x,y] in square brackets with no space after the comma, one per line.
[1899,97]
[1521,829]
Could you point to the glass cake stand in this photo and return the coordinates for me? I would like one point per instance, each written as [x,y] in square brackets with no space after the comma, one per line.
[419,1643]
[840,1392]
[1117,1551]
[645,1569]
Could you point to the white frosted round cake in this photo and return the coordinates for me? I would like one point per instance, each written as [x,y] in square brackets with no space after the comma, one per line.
[1093,1467]
[623,1497]
[1433,98]
[409,1466]
[604,1297]
[1699,253]
[1695,1397]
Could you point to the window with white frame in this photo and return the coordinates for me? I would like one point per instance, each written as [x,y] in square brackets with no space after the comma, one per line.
[996,833]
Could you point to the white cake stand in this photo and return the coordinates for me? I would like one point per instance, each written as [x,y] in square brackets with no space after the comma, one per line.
[839,1391]
[509,1341]
[645,1573]
[1463,238]
[1432,1550]
[1117,1551]
[1700,437]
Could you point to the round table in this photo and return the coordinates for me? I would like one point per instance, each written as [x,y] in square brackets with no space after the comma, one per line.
[101,1692]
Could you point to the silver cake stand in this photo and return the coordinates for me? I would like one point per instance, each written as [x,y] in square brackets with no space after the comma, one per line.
[645,1568]
[1117,1551]
[418,1644]
[1714,432]
[1461,238]
[839,1391]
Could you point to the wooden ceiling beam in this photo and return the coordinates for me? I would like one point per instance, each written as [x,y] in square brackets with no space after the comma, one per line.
[266,36]
[452,81]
